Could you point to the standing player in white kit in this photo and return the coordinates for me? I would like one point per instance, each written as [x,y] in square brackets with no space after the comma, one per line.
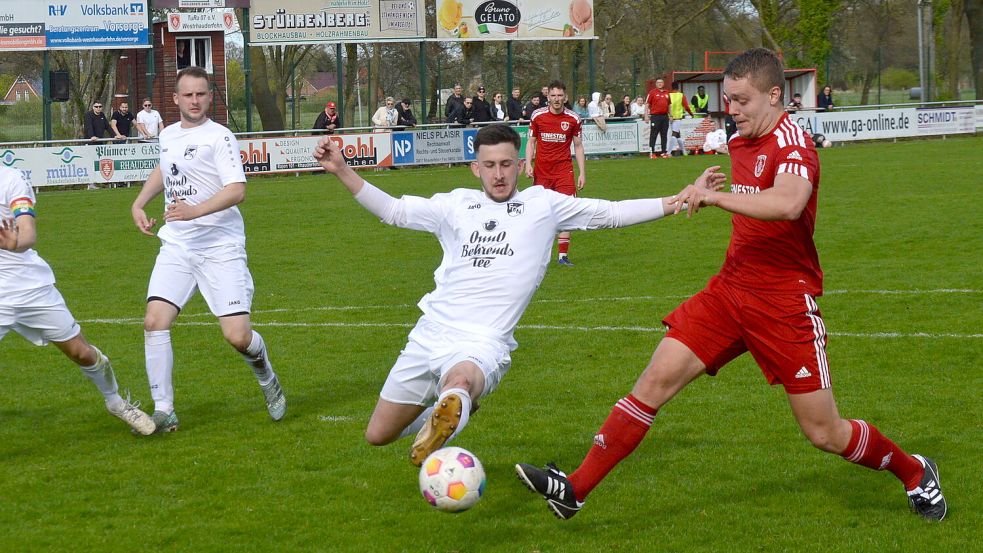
[31,306]
[203,245]
[497,242]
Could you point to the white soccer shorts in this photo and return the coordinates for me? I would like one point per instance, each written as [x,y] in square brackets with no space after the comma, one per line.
[431,350]
[220,273]
[39,315]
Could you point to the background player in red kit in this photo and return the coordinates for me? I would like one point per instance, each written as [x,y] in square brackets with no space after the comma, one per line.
[551,131]
[762,301]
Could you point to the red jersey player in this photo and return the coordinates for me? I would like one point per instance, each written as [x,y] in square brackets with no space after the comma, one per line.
[762,301]
[551,131]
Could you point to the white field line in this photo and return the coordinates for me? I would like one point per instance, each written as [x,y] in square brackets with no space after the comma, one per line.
[600,328]
[580,328]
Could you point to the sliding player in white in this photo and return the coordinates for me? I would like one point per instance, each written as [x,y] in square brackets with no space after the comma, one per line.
[31,306]
[497,242]
[203,245]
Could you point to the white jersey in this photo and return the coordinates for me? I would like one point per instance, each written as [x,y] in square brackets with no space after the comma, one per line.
[151,121]
[19,271]
[495,254]
[714,140]
[196,163]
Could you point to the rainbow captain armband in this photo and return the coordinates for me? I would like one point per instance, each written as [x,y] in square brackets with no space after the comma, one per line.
[22,206]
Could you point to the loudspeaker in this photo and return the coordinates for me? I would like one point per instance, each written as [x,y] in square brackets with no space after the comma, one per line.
[58,80]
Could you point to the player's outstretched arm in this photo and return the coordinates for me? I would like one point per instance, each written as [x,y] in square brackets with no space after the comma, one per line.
[376,201]
[18,235]
[151,188]
[328,154]
[782,202]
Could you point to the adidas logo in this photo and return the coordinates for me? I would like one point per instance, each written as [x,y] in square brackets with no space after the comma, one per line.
[599,441]
[803,373]
[795,155]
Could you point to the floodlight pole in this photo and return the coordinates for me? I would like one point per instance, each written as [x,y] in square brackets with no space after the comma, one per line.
[151,72]
[508,68]
[340,79]
[423,80]
[46,86]
[590,65]
[926,49]
[247,70]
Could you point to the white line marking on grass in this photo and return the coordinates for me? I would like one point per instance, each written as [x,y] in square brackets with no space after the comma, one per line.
[600,328]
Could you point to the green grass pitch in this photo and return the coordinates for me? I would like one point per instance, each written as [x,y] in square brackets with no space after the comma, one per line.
[725,468]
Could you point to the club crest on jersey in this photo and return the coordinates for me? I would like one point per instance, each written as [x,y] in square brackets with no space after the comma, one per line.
[565,125]
[514,209]
[490,225]
[190,151]
[759,166]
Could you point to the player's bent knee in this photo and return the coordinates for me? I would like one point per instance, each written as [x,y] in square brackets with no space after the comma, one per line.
[823,439]
[376,437]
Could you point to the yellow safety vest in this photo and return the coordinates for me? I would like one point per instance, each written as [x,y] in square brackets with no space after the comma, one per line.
[701,102]
[676,105]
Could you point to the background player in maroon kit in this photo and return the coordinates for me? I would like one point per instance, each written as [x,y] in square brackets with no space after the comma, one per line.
[762,301]
[551,131]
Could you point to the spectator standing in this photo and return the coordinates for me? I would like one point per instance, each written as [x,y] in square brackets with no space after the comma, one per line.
[386,115]
[122,122]
[532,106]
[499,110]
[581,107]
[329,119]
[543,96]
[623,109]
[455,98]
[824,101]
[607,106]
[596,113]
[515,105]
[480,107]
[658,102]
[700,102]
[148,121]
[795,105]
[638,109]
[678,108]
[462,113]
[404,114]
[96,124]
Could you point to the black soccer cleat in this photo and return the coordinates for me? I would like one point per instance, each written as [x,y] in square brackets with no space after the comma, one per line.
[927,499]
[553,485]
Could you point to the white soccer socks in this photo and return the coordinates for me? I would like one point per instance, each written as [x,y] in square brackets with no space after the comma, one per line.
[101,374]
[160,366]
[257,358]
[465,408]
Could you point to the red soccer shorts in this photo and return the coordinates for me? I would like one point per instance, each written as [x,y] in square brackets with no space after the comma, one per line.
[785,333]
[563,184]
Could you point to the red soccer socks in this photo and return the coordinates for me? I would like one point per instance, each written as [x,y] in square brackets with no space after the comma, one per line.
[621,433]
[868,447]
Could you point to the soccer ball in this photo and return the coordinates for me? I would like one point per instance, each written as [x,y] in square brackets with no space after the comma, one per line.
[452,479]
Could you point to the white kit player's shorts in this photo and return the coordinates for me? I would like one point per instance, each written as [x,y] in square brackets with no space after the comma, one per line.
[220,273]
[431,350]
[39,315]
